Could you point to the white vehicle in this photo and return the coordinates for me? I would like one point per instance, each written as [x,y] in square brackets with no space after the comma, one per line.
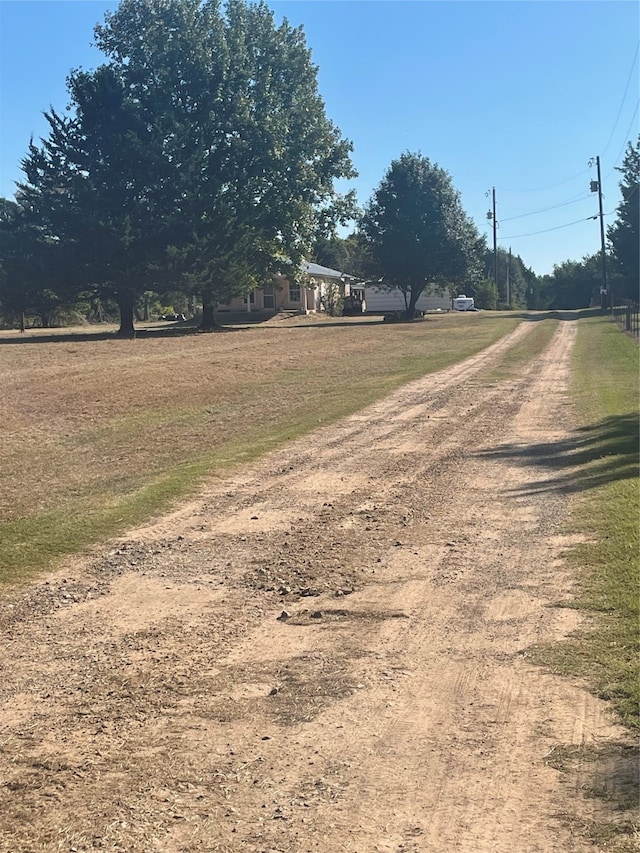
[463,303]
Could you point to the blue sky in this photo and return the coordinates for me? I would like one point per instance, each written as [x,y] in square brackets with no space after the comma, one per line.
[510,94]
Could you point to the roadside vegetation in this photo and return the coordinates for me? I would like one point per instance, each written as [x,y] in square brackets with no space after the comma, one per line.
[100,435]
[193,193]
[606,386]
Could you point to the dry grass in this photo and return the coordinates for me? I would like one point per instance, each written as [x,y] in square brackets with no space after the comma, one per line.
[101,433]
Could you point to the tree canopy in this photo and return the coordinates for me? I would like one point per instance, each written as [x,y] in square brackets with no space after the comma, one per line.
[34,276]
[198,154]
[347,254]
[516,286]
[417,232]
[573,284]
[624,234]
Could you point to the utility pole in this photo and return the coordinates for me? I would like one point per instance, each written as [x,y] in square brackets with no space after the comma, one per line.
[492,215]
[596,186]
[495,240]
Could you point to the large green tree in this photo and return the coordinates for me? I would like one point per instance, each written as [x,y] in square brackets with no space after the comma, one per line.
[573,284]
[417,232]
[16,269]
[95,186]
[35,277]
[199,153]
[624,234]
[347,254]
[516,285]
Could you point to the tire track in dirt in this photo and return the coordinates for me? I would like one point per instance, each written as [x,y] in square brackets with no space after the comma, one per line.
[152,701]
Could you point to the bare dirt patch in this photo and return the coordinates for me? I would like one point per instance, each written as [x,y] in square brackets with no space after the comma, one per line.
[327,651]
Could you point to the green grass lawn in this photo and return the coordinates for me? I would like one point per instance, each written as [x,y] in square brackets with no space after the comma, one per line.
[607,512]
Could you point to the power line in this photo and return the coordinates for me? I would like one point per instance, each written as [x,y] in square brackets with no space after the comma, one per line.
[582,197]
[571,198]
[550,187]
[557,228]
[626,88]
[626,140]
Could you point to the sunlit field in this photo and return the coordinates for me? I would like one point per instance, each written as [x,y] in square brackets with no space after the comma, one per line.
[101,433]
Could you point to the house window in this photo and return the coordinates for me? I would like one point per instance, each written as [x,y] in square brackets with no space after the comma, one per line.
[268,297]
[294,293]
[251,299]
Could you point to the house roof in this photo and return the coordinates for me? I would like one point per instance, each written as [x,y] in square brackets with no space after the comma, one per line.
[324,272]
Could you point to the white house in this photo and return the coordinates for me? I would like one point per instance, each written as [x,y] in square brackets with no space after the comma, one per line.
[388,301]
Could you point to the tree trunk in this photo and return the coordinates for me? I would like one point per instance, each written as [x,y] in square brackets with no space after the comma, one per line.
[126,302]
[208,323]
[414,295]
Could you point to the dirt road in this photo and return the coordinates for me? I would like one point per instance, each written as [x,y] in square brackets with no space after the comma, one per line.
[327,652]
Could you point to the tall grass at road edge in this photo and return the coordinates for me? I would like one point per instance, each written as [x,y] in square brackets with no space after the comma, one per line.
[606,393]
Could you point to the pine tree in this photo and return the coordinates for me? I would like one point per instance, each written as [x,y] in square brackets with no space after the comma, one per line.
[624,234]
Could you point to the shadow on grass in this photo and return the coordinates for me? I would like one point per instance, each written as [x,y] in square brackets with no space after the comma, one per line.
[230,322]
[594,455]
[555,314]
[37,336]
[348,323]
[177,331]
[609,774]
